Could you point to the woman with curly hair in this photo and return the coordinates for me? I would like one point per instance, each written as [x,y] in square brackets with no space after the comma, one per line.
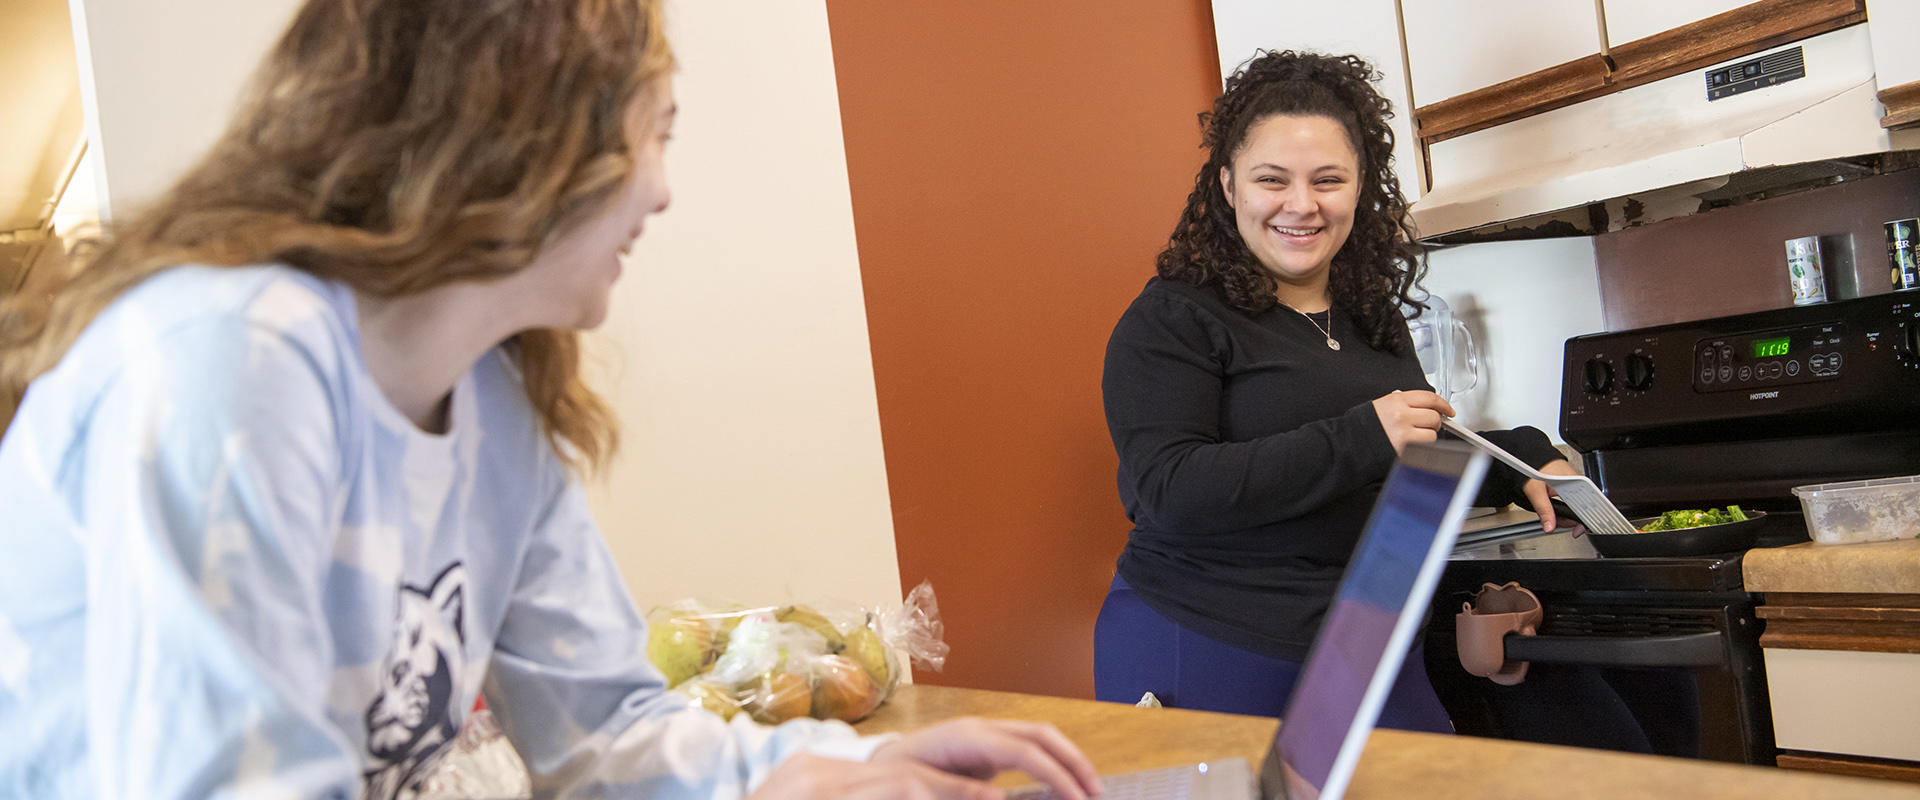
[294,472]
[1259,389]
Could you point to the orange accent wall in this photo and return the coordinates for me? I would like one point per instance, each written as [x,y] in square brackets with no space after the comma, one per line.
[1014,167]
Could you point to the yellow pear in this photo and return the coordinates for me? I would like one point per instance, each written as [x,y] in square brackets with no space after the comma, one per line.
[710,696]
[681,646]
[866,649]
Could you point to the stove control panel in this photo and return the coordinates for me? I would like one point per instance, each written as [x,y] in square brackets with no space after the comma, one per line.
[1851,365]
[1770,358]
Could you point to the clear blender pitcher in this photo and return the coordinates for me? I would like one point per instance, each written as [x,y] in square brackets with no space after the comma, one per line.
[1445,347]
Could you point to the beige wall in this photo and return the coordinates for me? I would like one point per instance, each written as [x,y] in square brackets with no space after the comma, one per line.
[43,118]
[736,353]
[158,81]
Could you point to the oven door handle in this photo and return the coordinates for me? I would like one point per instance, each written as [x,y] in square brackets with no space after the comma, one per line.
[1684,650]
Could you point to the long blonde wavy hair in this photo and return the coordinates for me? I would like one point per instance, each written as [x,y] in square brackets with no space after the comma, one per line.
[395,146]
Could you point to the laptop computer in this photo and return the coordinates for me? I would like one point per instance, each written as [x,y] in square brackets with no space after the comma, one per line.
[1357,655]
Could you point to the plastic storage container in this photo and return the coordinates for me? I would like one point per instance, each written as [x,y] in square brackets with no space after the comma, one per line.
[1862,511]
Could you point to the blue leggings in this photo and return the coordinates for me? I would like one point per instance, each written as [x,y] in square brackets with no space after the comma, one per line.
[1136,650]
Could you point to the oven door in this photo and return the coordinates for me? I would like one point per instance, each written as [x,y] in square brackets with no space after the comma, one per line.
[1677,674]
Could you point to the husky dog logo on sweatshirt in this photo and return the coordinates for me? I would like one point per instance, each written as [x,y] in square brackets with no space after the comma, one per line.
[410,721]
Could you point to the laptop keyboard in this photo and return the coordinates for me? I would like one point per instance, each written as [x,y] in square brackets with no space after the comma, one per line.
[1171,783]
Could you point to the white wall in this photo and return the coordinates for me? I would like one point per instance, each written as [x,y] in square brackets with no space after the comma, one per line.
[737,352]
[1522,301]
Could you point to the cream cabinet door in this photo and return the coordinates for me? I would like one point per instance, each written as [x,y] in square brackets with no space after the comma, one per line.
[1894,28]
[1367,28]
[1457,46]
[1845,701]
[1628,20]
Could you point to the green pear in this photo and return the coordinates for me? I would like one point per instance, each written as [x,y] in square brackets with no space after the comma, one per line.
[866,649]
[812,620]
[681,646]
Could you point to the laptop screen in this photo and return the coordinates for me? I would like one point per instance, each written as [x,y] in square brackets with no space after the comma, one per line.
[1370,624]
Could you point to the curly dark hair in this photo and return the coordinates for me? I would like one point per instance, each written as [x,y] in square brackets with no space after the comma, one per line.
[1377,267]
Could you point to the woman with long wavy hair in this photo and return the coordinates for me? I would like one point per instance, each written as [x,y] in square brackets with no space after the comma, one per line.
[1259,389]
[294,471]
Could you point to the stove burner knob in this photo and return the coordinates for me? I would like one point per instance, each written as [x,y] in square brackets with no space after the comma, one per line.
[1639,372]
[1599,376]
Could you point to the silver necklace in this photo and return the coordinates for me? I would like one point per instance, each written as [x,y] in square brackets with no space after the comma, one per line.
[1326,330]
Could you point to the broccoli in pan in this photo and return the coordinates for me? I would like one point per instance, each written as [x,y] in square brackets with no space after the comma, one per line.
[1694,518]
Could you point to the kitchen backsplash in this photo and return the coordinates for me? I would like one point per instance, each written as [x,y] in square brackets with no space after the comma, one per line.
[1521,300]
[1733,260]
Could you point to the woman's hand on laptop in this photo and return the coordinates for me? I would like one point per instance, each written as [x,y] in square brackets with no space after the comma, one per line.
[983,748]
[951,760]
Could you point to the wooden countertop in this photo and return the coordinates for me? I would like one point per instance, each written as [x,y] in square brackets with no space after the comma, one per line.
[1119,738]
[1396,764]
[1891,567]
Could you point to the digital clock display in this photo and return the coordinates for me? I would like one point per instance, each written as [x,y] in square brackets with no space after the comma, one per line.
[1769,348]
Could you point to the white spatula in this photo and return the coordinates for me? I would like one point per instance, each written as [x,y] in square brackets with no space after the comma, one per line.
[1581,495]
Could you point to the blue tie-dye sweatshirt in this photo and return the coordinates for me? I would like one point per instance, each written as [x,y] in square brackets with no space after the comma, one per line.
[229,568]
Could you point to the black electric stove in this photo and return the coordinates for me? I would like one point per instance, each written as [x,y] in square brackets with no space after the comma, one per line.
[1564,557]
[1662,655]
[1740,409]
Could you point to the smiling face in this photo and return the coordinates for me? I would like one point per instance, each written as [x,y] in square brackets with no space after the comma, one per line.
[575,272]
[1293,186]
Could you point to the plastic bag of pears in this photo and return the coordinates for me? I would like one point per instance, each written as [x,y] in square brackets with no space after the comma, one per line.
[776,663]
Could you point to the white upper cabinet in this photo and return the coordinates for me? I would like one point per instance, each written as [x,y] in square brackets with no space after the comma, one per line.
[1457,46]
[1628,20]
[1894,28]
[1366,28]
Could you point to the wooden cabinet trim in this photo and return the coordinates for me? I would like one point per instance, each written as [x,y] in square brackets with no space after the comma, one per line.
[1742,31]
[1840,614]
[1903,105]
[1779,601]
[1854,638]
[1533,93]
[1865,608]
[1861,766]
[1876,623]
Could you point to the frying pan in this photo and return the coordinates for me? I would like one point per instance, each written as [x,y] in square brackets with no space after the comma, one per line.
[1723,538]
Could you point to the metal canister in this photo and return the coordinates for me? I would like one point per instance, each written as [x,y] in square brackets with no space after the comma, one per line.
[1901,256]
[1805,272]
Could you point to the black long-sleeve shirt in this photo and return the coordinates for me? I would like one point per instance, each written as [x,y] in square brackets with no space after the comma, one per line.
[1250,457]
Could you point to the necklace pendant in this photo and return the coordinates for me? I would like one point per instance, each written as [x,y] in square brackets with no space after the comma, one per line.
[1331,344]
